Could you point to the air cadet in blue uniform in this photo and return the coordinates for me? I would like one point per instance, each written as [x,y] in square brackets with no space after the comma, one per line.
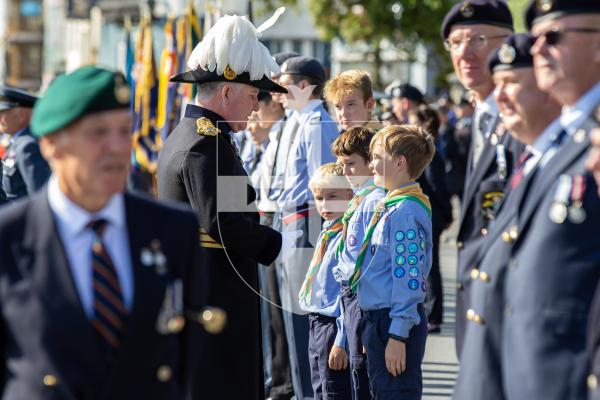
[518,97]
[471,30]
[310,148]
[191,164]
[555,259]
[320,294]
[24,170]
[393,264]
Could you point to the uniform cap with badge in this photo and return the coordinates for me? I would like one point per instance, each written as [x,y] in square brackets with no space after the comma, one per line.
[231,52]
[408,91]
[97,89]
[513,53]
[489,12]
[543,10]
[11,97]
[305,66]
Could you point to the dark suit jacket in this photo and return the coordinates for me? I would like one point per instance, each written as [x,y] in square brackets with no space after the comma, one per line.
[482,179]
[550,283]
[189,167]
[48,346]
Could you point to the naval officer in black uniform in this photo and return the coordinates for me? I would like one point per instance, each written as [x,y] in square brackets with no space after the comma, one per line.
[200,165]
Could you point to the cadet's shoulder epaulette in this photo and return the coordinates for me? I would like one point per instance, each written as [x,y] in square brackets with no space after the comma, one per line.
[206,127]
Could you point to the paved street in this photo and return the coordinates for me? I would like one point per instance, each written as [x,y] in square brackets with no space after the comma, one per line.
[440,367]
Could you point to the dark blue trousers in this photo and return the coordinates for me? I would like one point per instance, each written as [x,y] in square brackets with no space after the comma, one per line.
[327,383]
[384,386]
[358,359]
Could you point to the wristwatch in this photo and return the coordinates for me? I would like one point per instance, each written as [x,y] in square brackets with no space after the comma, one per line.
[398,338]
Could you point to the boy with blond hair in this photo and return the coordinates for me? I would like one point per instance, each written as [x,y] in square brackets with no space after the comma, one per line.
[320,293]
[352,151]
[351,94]
[393,264]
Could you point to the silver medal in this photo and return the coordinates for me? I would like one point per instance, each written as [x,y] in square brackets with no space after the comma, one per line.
[577,215]
[558,213]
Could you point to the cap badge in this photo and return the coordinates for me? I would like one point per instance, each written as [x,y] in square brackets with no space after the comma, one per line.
[544,5]
[229,73]
[206,127]
[507,54]
[467,10]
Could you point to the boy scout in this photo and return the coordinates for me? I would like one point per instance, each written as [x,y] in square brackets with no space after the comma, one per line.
[320,293]
[352,151]
[24,170]
[393,264]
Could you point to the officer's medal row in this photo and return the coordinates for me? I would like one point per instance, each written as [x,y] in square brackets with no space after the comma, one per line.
[568,200]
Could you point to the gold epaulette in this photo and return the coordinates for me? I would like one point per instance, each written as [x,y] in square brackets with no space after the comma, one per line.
[206,127]
[208,242]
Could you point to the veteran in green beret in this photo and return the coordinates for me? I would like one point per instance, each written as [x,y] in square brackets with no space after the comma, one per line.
[94,286]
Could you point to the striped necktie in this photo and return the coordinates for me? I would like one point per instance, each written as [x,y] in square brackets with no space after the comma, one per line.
[109,309]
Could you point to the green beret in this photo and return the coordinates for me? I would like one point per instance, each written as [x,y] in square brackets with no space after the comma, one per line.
[72,96]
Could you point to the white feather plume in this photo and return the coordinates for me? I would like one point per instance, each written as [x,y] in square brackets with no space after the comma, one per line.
[233,41]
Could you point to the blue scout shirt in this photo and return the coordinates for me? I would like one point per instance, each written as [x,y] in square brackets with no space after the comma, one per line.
[356,233]
[311,149]
[326,292]
[396,265]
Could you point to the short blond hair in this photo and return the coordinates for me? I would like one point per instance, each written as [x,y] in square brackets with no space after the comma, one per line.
[413,142]
[347,83]
[329,176]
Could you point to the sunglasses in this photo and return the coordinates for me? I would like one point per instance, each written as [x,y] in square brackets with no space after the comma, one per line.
[553,36]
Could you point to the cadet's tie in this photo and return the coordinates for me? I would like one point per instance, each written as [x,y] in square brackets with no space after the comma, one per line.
[109,308]
[410,192]
[518,175]
[352,206]
[315,263]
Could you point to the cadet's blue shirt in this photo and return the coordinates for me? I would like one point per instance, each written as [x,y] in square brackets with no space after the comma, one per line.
[325,297]
[357,227]
[310,150]
[396,265]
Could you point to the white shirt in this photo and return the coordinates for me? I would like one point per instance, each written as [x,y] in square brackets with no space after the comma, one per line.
[77,241]
[541,146]
[572,117]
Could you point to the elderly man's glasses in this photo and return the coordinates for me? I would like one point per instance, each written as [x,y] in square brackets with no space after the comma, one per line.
[553,36]
[478,42]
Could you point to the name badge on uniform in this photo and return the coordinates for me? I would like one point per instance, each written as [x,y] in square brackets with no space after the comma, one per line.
[558,210]
[171,318]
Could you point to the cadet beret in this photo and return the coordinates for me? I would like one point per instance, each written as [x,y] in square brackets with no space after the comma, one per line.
[514,53]
[490,12]
[408,91]
[306,66]
[280,58]
[11,97]
[551,9]
[84,91]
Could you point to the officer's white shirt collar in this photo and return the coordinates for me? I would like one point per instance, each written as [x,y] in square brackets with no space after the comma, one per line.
[76,218]
[488,105]
[573,116]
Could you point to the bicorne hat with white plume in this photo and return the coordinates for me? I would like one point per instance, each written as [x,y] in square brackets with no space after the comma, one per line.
[231,52]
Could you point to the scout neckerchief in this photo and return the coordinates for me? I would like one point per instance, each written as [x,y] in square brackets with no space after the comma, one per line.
[315,263]
[409,192]
[352,206]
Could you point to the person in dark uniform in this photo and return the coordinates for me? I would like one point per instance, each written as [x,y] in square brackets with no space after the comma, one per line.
[199,165]
[94,286]
[518,99]
[555,258]
[24,170]
[471,30]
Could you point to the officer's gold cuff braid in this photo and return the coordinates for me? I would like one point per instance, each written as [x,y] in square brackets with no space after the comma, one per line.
[207,242]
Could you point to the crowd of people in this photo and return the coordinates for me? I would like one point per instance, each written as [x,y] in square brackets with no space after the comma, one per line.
[294,247]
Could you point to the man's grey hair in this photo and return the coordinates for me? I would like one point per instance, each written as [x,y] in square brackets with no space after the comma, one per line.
[207,90]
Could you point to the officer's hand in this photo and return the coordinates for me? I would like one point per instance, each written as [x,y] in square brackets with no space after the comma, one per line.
[593,161]
[395,357]
[338,359]
[288,244]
